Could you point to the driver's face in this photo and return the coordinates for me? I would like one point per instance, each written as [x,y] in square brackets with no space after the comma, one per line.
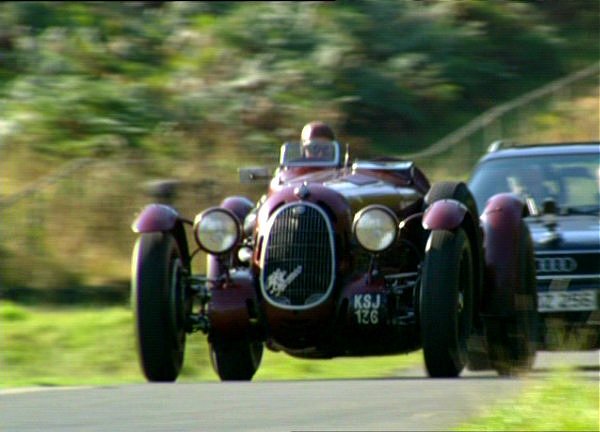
[316,149]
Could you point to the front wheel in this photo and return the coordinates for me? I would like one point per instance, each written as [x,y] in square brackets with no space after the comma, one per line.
[235,360]
[160,304]
[446,302]
[512,340]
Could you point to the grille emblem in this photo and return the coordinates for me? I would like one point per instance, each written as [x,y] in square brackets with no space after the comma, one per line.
[555,265]
[278,282]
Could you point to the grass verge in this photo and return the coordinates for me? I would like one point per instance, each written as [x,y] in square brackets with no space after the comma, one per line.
[560,403]
[88,346]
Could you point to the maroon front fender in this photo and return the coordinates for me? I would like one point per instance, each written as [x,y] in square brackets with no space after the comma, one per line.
[501,221]
[239,205]
[155,217]
[444,214]
[229,308]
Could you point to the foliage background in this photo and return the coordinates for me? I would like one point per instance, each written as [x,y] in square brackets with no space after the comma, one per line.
[203,79]
[193,90]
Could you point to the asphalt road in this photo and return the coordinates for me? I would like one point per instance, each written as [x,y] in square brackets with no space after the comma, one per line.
[409,401]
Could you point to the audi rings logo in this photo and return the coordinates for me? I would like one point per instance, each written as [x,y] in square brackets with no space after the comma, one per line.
[555,265]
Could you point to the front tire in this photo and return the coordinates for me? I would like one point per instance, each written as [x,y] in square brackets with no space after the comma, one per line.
[446,302]
[160,304]
[235,360]
[512,341]
[452,190]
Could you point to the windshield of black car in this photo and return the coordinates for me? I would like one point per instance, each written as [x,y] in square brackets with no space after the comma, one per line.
[318,153]
[572,180]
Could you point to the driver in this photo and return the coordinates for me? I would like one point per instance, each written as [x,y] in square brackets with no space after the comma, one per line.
[316,140]
[531,184]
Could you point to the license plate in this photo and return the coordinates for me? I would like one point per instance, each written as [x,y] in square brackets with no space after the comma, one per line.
[367,308]
[557,301]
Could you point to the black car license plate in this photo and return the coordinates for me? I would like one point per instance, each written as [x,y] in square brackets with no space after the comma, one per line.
[565,301]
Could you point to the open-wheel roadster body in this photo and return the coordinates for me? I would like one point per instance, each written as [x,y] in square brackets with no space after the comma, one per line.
[339,259]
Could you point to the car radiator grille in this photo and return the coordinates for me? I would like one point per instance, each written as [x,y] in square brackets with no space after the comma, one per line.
[297,259]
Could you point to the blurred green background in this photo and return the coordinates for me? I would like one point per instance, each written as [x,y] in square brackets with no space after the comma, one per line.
[100,99]
[97,99]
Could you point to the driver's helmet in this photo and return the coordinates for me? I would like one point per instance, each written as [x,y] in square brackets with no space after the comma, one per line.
[316,139]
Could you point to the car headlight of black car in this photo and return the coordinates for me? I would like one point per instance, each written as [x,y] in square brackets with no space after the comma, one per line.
[375,228]
[217,230]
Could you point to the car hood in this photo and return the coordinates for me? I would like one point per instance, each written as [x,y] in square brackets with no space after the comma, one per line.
[361,187]
[573,232]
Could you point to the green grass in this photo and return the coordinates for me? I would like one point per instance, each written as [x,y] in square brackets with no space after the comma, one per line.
[87,346]
[561,403]
[95,346]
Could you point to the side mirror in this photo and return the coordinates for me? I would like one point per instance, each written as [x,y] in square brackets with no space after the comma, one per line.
[163,190]
[254,175]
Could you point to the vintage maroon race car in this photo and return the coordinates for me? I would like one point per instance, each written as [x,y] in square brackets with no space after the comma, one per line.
[339,259]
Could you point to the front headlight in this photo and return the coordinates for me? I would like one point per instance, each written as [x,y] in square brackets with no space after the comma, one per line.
[375,228]
[217,230]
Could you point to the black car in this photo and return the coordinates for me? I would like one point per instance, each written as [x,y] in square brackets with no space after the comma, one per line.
[560,184]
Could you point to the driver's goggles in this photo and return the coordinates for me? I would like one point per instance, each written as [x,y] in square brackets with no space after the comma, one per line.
[316,147]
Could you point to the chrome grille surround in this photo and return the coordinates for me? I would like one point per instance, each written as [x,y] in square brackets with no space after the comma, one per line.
[297,260]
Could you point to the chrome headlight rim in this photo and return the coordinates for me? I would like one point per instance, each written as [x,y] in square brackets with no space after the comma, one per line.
[205,217]
[393,225]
